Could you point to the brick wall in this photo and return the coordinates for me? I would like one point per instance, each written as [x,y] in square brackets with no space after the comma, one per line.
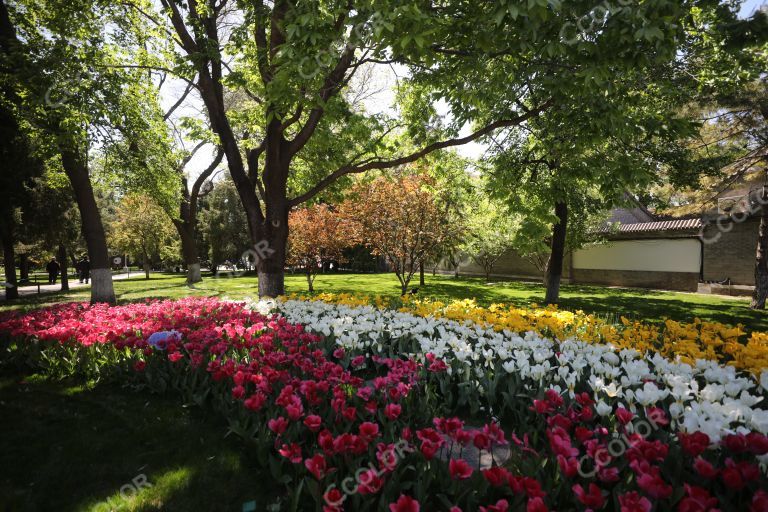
[682,281]
[732,254]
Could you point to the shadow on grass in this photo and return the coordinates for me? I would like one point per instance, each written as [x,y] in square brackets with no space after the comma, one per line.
[73,448]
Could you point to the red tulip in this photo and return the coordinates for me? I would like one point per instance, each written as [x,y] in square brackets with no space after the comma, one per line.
[404,504]
[459,469]
[593,499]
[634,502]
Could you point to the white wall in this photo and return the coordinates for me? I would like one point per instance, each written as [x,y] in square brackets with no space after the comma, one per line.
[680,255]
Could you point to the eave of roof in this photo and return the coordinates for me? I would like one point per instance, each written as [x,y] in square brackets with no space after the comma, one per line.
[663,225]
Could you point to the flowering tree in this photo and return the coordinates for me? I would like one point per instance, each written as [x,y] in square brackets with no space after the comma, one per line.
[317,235]
[398,219]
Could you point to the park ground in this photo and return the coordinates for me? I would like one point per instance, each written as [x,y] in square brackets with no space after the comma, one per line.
[608,303]
[60,450]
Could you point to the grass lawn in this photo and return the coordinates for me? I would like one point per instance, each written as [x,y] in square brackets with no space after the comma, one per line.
[72,448]
[606,302]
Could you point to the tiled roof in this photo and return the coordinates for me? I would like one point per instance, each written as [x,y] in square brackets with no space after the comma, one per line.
[663,225]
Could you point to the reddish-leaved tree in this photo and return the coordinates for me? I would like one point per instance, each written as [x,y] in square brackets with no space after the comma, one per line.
[398,219]
[317,235]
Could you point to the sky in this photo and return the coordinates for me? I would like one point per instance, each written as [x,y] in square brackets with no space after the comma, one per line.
[383,84]
[750,6]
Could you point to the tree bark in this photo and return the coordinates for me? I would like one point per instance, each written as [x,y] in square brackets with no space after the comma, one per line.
[23,267]
[421,273]
[187,220]
[9,260]
[189,251]
[761,259]
[555,265]
[102,289]
[62,257]
[270,236]
[309,280]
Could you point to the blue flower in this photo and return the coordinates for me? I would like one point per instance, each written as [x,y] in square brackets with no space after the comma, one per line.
[159,340]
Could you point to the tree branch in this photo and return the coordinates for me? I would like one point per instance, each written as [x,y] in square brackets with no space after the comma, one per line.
[155,68]
[193,196]
[331,86]
[191,154]
[386,164]
[178,103]
[187,41]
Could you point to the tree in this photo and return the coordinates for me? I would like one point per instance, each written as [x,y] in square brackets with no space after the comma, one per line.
[141,228]
[317,236]
[18,166]
[454,190]
[398,219]
[52,222]
[186,222]
[294,60]
[224,224]
[62,65]
[490,232]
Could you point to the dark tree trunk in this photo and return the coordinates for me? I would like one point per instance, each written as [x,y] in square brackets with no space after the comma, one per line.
[268,229]
[102,289]
[421,273]
[761,259]
[555,265]
[146,268]
[187,220]
[270,236]
[189,251]
[309,279]
[23,267]
[9,260]
[62,257]
[269,254]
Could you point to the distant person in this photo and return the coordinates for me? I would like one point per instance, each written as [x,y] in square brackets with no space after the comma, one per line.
[53,269]
[84,270]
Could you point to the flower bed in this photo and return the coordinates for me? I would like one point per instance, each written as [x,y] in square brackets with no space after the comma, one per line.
[362,408]
[687,341]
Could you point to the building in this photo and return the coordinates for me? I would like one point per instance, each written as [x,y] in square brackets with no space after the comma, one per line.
[714,252]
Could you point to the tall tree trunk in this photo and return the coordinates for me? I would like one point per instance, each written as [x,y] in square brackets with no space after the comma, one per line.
[761,258]
[309,279]
[62,257]
[23,267]
[102,289]
[189,251]
[270,237]
[270,258]
[421,273]
[9,260]
[557,255]
[187,221]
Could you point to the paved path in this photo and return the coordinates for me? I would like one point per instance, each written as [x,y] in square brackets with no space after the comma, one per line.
[26,291]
